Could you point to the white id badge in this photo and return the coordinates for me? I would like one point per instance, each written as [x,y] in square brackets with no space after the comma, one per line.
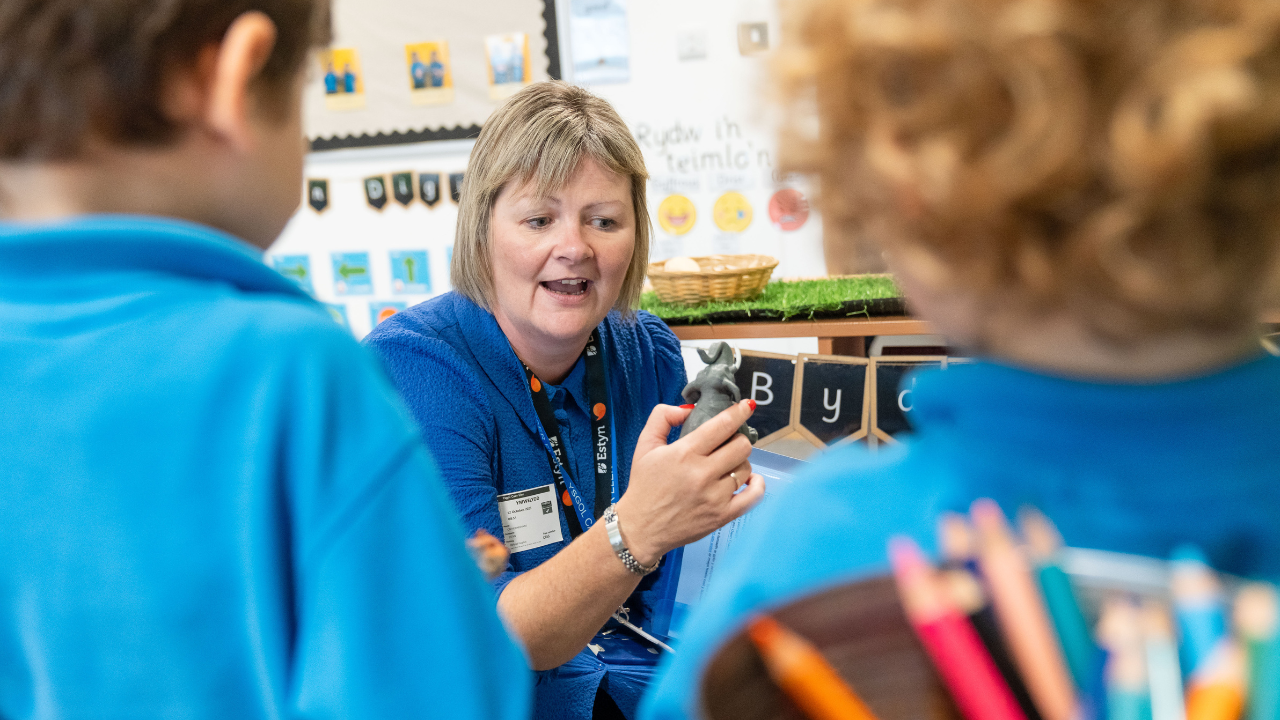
[530,518]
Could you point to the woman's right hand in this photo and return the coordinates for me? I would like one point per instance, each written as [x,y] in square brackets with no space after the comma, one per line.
[681,492]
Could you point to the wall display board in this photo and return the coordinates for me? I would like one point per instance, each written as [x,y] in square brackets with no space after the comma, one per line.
[692,93]
[769,379]
[400,70]
[893,387]
[832,394]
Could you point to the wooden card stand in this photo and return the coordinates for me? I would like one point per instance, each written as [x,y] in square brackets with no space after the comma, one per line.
[770,380]
[889,401]
[831,405]
[862,631]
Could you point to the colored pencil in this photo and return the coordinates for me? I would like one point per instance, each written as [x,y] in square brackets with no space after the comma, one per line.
[1128,696]
[1199,605]
[1216,691]
[965,589]
[1257,619]
[1163,673]
[957,652]
[1044,545]
[1021,611]
[804,674]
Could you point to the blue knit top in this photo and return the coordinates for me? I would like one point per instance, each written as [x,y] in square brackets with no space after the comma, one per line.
[468,392]
[1136,468]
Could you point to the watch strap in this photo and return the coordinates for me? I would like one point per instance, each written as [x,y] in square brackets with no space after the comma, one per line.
[620,548]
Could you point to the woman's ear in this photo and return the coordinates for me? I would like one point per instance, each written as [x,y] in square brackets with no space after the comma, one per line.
[237,63]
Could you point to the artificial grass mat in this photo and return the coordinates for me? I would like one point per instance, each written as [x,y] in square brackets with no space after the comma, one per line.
[827,298]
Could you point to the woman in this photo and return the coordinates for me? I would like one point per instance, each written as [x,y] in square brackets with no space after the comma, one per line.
[532,383]
[1085,196]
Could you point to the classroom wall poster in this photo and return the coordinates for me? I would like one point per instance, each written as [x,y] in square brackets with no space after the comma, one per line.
[430,77]
[379,311]
[600,41]
[351,274]
[297,268]
[410,272]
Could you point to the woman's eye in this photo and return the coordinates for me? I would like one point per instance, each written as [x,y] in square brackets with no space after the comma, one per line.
[539,222]
[604,223]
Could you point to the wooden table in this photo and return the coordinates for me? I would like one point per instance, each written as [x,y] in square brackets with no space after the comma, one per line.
[835,337]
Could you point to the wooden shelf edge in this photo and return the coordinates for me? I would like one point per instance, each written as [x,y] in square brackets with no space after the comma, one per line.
[853,327]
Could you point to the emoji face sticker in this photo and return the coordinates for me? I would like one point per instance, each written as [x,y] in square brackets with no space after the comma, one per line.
[677,215]
[732,212]
[788,209]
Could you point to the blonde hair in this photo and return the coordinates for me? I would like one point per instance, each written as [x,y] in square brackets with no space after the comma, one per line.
[1119,159]
[540,135]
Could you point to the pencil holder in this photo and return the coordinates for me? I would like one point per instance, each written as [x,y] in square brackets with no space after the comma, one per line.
[863,632]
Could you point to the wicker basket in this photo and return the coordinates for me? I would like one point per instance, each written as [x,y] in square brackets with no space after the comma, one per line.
[723,278]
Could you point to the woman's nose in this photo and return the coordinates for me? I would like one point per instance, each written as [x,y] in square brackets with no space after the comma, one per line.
[571,244]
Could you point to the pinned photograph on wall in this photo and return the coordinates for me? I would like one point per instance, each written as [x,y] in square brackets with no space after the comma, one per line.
[430,79]
[343,84]
[402,187]
[509,67]
[753,38]
[379,311]
[295,267]
[600,41]
[789,209]
[410,272]
[338,313]
[351,274]
[318,194]
[429,188]
[676,215]
[732,212]
[455,186]
[375,191]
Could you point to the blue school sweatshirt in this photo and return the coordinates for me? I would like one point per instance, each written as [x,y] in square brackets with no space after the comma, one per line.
[212,504]
[1134,468]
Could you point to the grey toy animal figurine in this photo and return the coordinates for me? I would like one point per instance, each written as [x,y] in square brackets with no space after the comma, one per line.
[713,390]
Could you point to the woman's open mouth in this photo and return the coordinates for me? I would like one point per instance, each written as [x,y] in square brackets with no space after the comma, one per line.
[571,286]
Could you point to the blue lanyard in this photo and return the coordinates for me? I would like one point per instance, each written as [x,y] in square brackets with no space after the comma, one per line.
[603,434]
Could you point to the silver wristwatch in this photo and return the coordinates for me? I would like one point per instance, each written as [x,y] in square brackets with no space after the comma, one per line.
[620,549]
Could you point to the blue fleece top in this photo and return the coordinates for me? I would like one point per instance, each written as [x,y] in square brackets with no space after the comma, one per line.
[214,505]
[1128,468]
[468,391]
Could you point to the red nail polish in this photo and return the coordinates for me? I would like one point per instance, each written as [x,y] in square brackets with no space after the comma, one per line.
[753,405]
[687,407]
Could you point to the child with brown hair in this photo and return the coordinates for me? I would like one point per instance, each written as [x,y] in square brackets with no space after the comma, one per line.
[1083,195]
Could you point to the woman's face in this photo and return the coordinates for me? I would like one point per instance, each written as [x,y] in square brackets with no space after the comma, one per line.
[559,261]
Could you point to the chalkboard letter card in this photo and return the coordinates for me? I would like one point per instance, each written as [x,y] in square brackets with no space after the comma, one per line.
[893,386]
[769,379]
[832,395]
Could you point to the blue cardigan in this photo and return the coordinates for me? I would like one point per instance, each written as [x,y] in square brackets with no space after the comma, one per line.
[1129,468]
[467,389]
[214,505]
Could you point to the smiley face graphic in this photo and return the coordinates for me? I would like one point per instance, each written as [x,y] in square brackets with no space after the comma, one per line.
[677,215]
[732,212]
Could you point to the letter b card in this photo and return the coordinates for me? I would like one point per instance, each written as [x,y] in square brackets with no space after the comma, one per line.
[768,379]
